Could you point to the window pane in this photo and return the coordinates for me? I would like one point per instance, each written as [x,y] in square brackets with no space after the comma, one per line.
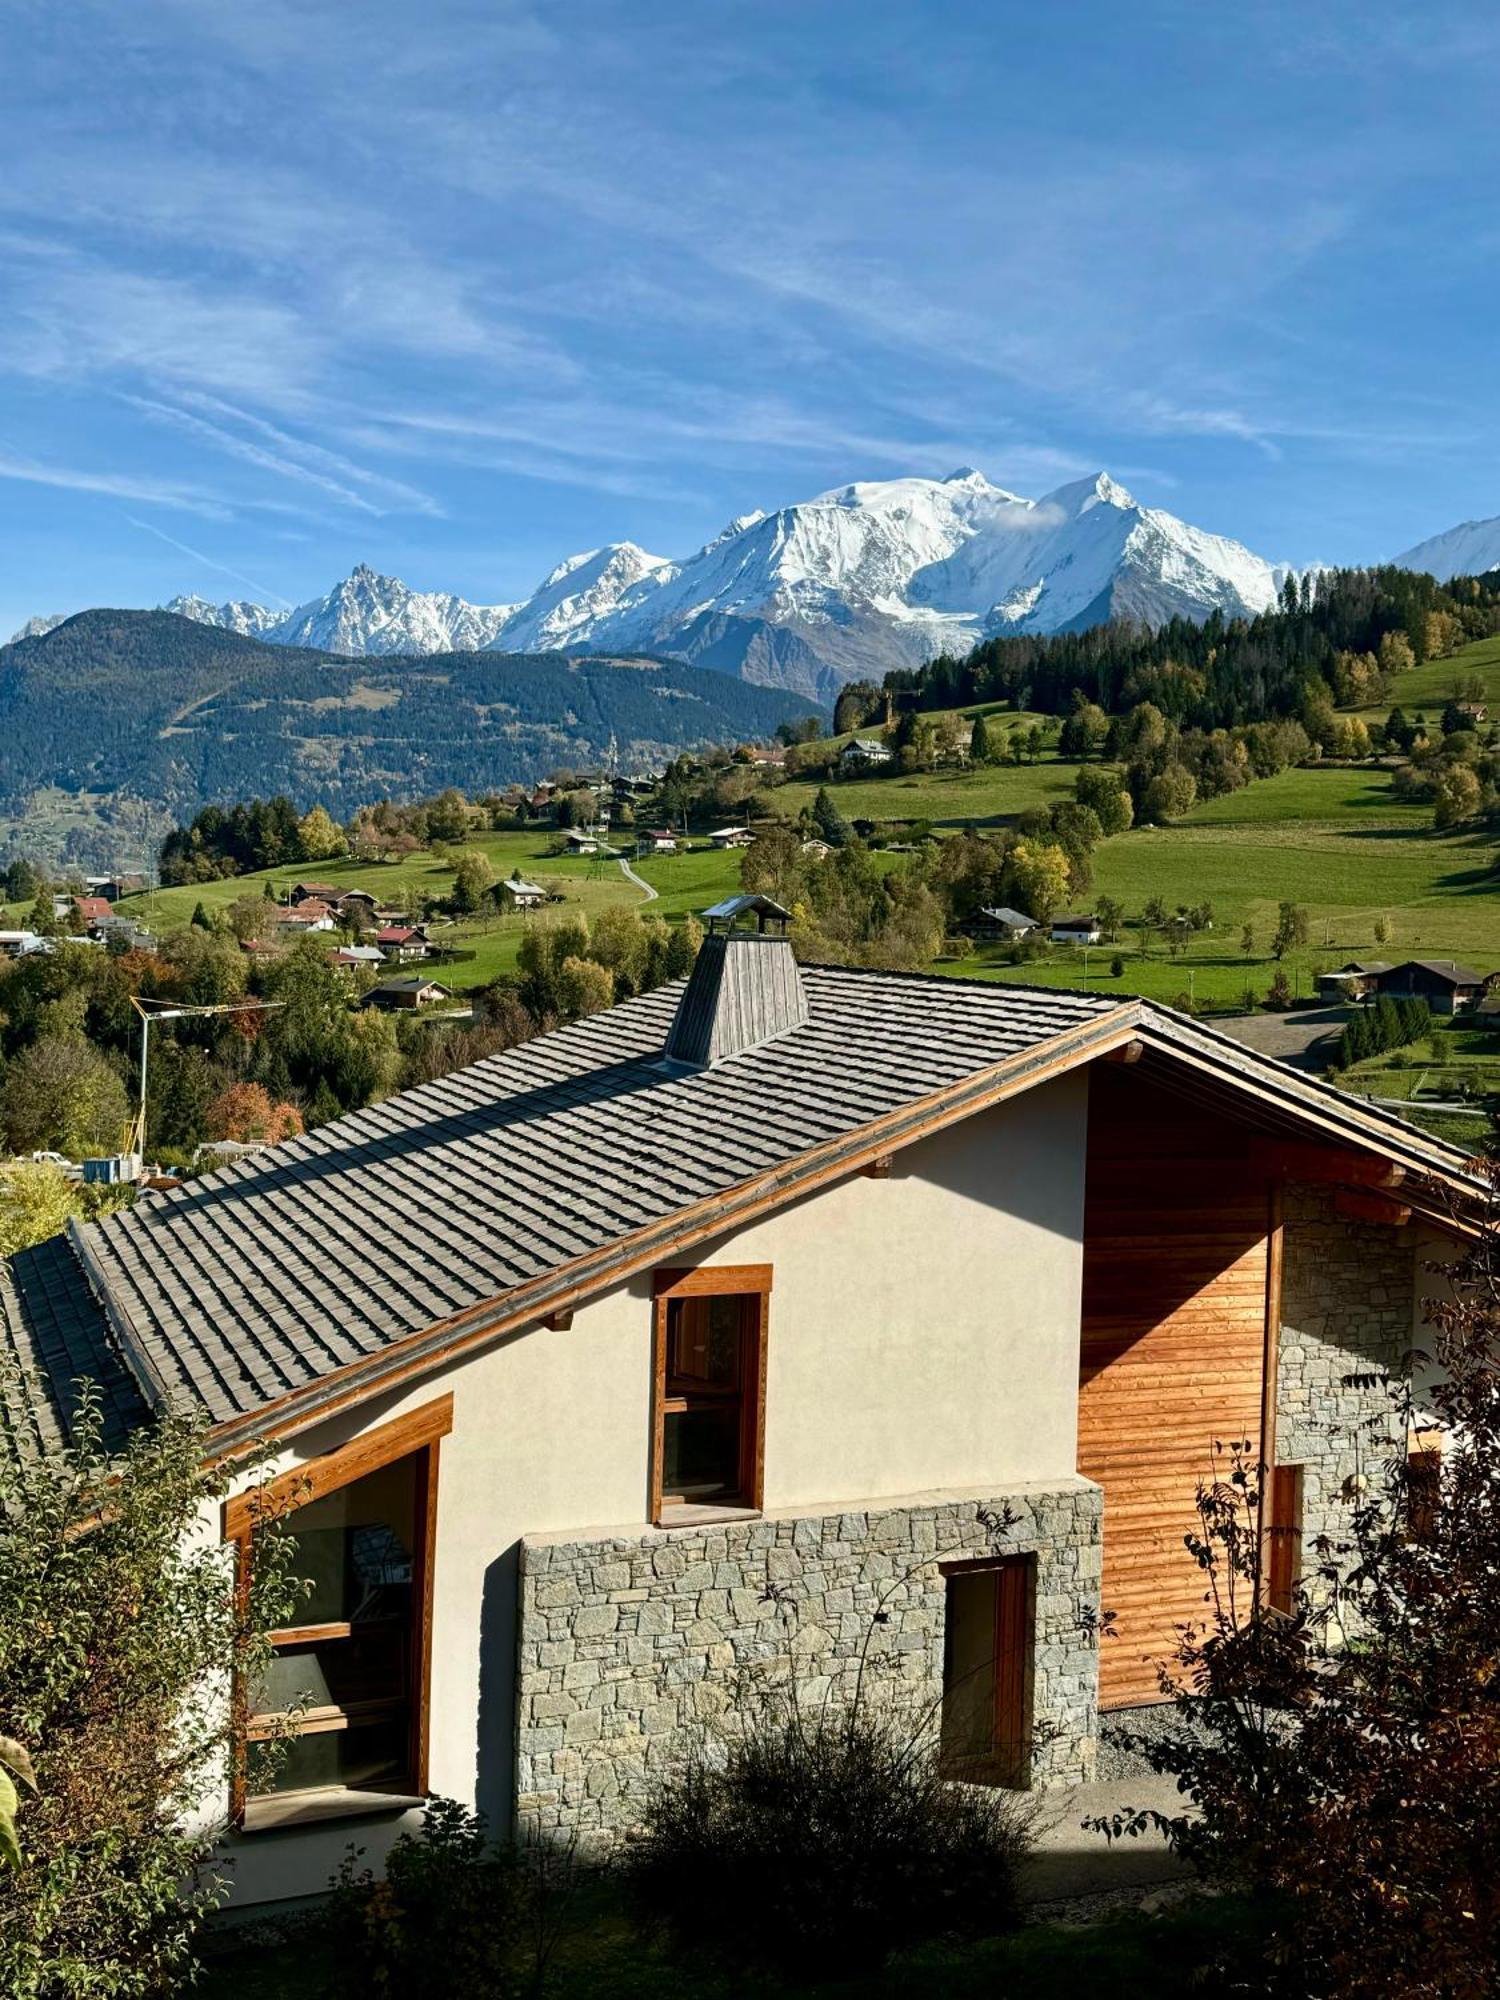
[337,1673]
[355,1546]
[370,1757]
[704,1342]
[701,1452]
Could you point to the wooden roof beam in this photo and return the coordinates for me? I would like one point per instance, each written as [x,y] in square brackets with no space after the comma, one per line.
[1372,1208]
[1335,1166]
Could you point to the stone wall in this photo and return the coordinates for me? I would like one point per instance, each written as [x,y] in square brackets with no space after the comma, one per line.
[1346,1324]
[632,1645]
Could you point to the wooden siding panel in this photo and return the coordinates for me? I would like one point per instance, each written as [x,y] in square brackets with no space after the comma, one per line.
[1175,1275]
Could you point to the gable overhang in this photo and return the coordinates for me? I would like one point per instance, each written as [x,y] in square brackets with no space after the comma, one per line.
[1219,1074]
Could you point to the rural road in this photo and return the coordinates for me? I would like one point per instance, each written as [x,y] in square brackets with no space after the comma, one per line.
[630,876]
[1303,1038]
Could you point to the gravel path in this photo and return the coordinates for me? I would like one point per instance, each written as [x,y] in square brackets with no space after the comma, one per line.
[640,882]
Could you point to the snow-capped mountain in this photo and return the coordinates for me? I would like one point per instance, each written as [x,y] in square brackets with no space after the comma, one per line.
[38,628]
[878,574]
[580,592]
[251,621]
[366,613]
[1470,549]
[886,572]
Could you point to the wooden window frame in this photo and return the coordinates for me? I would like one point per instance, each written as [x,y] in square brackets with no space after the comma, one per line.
[416,1435]
[1024,1564]
[713,1281]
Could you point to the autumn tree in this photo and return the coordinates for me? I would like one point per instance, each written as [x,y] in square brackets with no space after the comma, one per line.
[1102,788]
[319,837]
[1292,929]
[1038,877]
[1456,795]
[246,1113]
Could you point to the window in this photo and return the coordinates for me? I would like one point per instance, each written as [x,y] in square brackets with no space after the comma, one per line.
[352,1674]
[987,1642]
[1284,1537]
[709,1382]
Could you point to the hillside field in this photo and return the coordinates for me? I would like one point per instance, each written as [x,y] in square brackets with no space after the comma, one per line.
[1332,839]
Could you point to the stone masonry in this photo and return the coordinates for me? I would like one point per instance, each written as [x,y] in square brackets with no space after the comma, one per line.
[634,1644]
[1346,1325]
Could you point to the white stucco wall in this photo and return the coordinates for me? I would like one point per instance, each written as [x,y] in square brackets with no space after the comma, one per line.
[923,1336]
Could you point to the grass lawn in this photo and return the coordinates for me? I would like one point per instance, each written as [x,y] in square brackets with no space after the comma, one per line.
[1433,685]
[1459,1060]
[603,1956]
[983,797]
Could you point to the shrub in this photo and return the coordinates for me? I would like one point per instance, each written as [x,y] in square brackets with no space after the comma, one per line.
[121,1627]
[824,1841]
[444,1922]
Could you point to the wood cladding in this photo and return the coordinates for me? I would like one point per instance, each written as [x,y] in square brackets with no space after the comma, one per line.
[1177,1269]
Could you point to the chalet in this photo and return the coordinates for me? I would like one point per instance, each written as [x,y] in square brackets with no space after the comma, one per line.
[732,836]
[113,887]
[1474,711]
[327,893]
[768,757]
[515,893]
[865,751]
[1075,930]
[583,842]
[20,944]
[1000,921]
[407,989]
[357,957]
[401,943]
[815,849]
[656,840]
[1446,987]
[311,915]
[1352,981]
[90,910]
[969,1276]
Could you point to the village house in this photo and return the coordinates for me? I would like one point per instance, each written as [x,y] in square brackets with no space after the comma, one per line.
[328,893]
[1000,921]
[1075,930]
[515,893]
[407,989]
[401,943]
[1352,981]
[732,836]
[582,841]
[656,840]
[1446,987]
[768,757]
[90,911]
[750,1293]
[864,752]
[308,915]
[357,957]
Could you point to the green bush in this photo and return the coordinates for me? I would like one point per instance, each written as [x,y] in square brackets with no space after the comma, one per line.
[444,1922]
[823,1842]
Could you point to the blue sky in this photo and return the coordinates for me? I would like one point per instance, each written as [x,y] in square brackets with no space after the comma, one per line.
[459,288]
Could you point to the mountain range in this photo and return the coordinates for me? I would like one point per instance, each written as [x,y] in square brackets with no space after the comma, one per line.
[874,575]
[861,579]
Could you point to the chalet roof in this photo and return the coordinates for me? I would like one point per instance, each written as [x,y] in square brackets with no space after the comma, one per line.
[1075,923]
[536,1177]
[1443,969]
[409,982]
[1004,914]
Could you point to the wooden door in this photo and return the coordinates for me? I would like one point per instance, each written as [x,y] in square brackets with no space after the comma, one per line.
[1176,1276]
[986,1718]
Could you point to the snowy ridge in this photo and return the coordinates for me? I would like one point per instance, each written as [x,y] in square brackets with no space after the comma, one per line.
[862,578]
[1470,549]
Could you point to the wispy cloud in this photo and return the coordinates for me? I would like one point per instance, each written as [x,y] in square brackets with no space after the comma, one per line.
[113,485]
[262,591]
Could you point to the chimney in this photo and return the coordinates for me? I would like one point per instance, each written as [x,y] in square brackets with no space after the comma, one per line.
[745,988]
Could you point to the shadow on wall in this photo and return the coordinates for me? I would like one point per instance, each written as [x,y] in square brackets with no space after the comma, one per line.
[495,1746]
